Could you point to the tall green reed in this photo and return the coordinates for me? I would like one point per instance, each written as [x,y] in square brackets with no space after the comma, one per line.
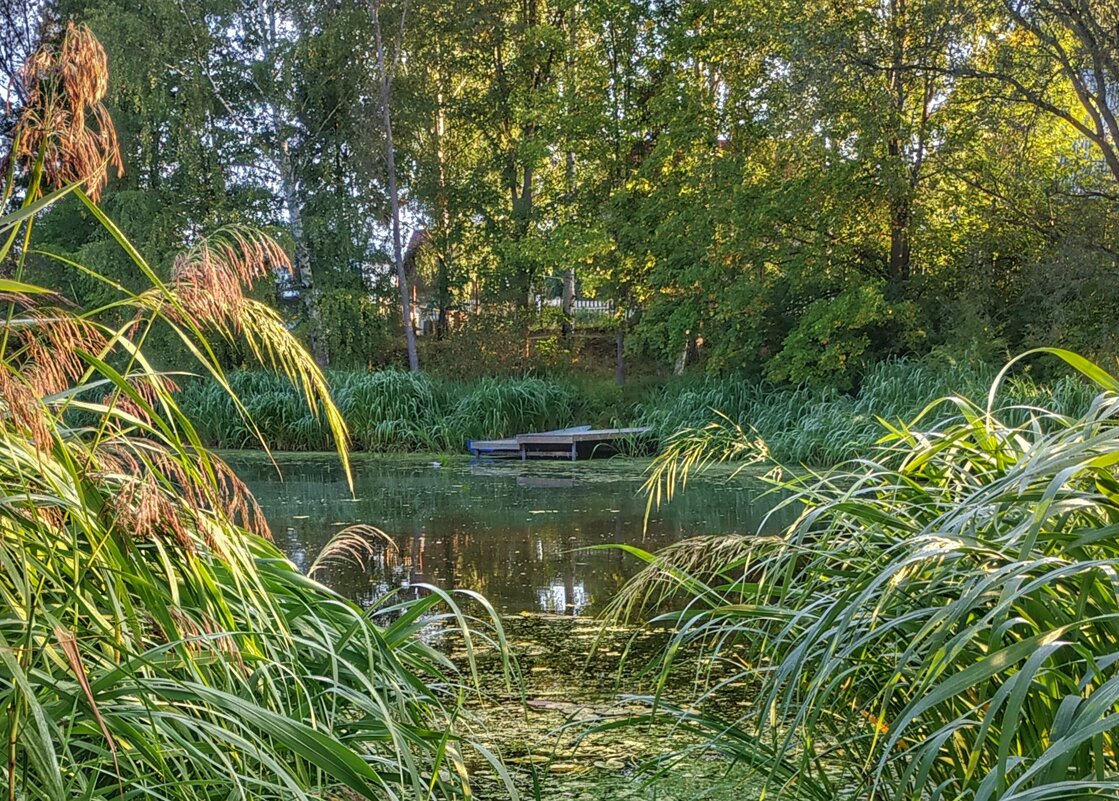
[941,621]
[154,643]
[824,427]
[386,411]
[394,411]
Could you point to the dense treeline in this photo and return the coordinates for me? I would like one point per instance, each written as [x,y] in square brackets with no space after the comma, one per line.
[791,189]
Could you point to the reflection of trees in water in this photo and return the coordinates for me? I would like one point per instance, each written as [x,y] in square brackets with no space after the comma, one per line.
[511,536]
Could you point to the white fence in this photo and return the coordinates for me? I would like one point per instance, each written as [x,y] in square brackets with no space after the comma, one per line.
[587,306]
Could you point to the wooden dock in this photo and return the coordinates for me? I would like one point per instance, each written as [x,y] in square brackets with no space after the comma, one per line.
[507,448]
[574,445]
[581,442]
[493,448]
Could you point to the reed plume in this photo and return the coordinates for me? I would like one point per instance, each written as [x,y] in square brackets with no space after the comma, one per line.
[64,129]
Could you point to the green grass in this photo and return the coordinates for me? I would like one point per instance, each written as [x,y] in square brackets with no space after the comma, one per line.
[825,427]
[392,411]
[386,411]
[941,621]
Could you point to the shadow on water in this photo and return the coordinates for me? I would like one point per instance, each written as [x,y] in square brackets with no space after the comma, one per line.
[515,532]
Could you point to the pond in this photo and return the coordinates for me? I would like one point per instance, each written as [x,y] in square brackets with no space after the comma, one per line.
[522,534]
[518,532]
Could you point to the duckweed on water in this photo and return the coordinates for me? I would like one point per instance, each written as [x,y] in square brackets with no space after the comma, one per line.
[571,683]
[473,526]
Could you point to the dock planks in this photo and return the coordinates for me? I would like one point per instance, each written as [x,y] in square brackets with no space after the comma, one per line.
[498,448]
[580,442]
[494,447]
[576,445]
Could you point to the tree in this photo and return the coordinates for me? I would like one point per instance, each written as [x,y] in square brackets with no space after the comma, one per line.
[394,198]
[1070,44]
[24,23]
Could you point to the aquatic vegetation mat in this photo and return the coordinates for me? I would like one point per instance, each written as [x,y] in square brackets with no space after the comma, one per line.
[574,677]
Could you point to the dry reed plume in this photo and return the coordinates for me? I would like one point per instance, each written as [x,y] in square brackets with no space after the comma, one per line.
[64,129]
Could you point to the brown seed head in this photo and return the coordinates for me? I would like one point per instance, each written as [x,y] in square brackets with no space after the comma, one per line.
[51,343]
[64,122]
[20,406]
[141,507]
[210,277]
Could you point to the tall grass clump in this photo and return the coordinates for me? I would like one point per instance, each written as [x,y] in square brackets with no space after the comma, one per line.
[495,407]
[819,427]
[261,405]
[941,621]
[392,410]
[154,643]
[386,411]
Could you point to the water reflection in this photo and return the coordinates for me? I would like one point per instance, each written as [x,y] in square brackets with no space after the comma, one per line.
[514,532]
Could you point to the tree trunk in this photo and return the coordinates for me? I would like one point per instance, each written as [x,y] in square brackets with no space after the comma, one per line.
[444,255]
[522,223]
[900,206]
[302,266]
[900,249]
[685,355]
[567,302]
[394,200]
[620,353]
[567,305]
[289,188]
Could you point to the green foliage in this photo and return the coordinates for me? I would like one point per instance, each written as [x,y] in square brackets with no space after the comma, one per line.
[820,426]
[937,623]
[805,189]
[355,323]
[385,411]
[831,343]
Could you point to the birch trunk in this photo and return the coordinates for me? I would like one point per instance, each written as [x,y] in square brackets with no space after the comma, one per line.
[394,199]
[294,208]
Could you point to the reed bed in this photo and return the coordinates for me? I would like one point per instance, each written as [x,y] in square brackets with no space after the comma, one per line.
[386,411]
[394,411]
[940,621]
[823,427]
[154,643]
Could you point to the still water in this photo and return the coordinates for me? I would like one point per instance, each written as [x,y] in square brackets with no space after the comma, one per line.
[518,533]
